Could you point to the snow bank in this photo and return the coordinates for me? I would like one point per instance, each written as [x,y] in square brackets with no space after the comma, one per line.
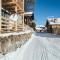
[39,47]
[14,33]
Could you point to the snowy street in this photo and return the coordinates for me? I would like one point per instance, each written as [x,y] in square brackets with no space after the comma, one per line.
[42,46]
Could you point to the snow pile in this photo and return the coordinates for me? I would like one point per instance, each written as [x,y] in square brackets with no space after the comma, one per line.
[39,47]
[14,33]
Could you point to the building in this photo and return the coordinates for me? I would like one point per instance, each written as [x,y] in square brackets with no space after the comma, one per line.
[15,8]
[28,17]
[53,25]
[8,8]
[40,28]
[29,11]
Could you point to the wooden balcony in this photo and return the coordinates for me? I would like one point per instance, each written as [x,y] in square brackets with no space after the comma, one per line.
[13,5]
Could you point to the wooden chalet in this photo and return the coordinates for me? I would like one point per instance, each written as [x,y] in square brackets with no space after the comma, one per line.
[7,8]
[53,25]
[10,7]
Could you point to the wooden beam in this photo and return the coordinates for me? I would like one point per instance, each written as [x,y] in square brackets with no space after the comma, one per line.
[23,15]
[18,6]
[13,4]
[8,3]
[16,9]
[0,15]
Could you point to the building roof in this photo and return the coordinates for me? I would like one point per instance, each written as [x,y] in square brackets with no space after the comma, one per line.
[28,13]
[40,26]
[54,21]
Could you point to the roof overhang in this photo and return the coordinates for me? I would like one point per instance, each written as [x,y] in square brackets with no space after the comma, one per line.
[28,13]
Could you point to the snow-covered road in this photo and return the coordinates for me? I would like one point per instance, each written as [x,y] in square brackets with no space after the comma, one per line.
[42,46]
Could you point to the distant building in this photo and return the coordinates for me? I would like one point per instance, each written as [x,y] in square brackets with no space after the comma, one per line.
[53,25]
[40,28]
[8,8]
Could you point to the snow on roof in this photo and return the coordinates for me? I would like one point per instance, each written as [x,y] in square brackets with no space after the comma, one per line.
[28,13]
[40,26]
[53,21]
[14,33]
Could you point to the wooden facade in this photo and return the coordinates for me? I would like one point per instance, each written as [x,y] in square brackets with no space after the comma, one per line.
[13,5]
[7,8]
[53,27]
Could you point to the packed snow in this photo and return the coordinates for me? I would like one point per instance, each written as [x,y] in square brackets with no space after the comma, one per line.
[14,33]
[42,46]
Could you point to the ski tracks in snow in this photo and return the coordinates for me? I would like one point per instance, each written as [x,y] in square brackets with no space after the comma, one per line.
[38,48]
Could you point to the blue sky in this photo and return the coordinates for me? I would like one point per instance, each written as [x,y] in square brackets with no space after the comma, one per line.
[46,8]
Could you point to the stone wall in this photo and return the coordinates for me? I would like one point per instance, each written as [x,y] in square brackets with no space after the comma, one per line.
[12,42]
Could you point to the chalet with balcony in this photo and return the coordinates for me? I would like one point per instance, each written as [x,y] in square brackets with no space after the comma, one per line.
[10,8]
[10,13]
